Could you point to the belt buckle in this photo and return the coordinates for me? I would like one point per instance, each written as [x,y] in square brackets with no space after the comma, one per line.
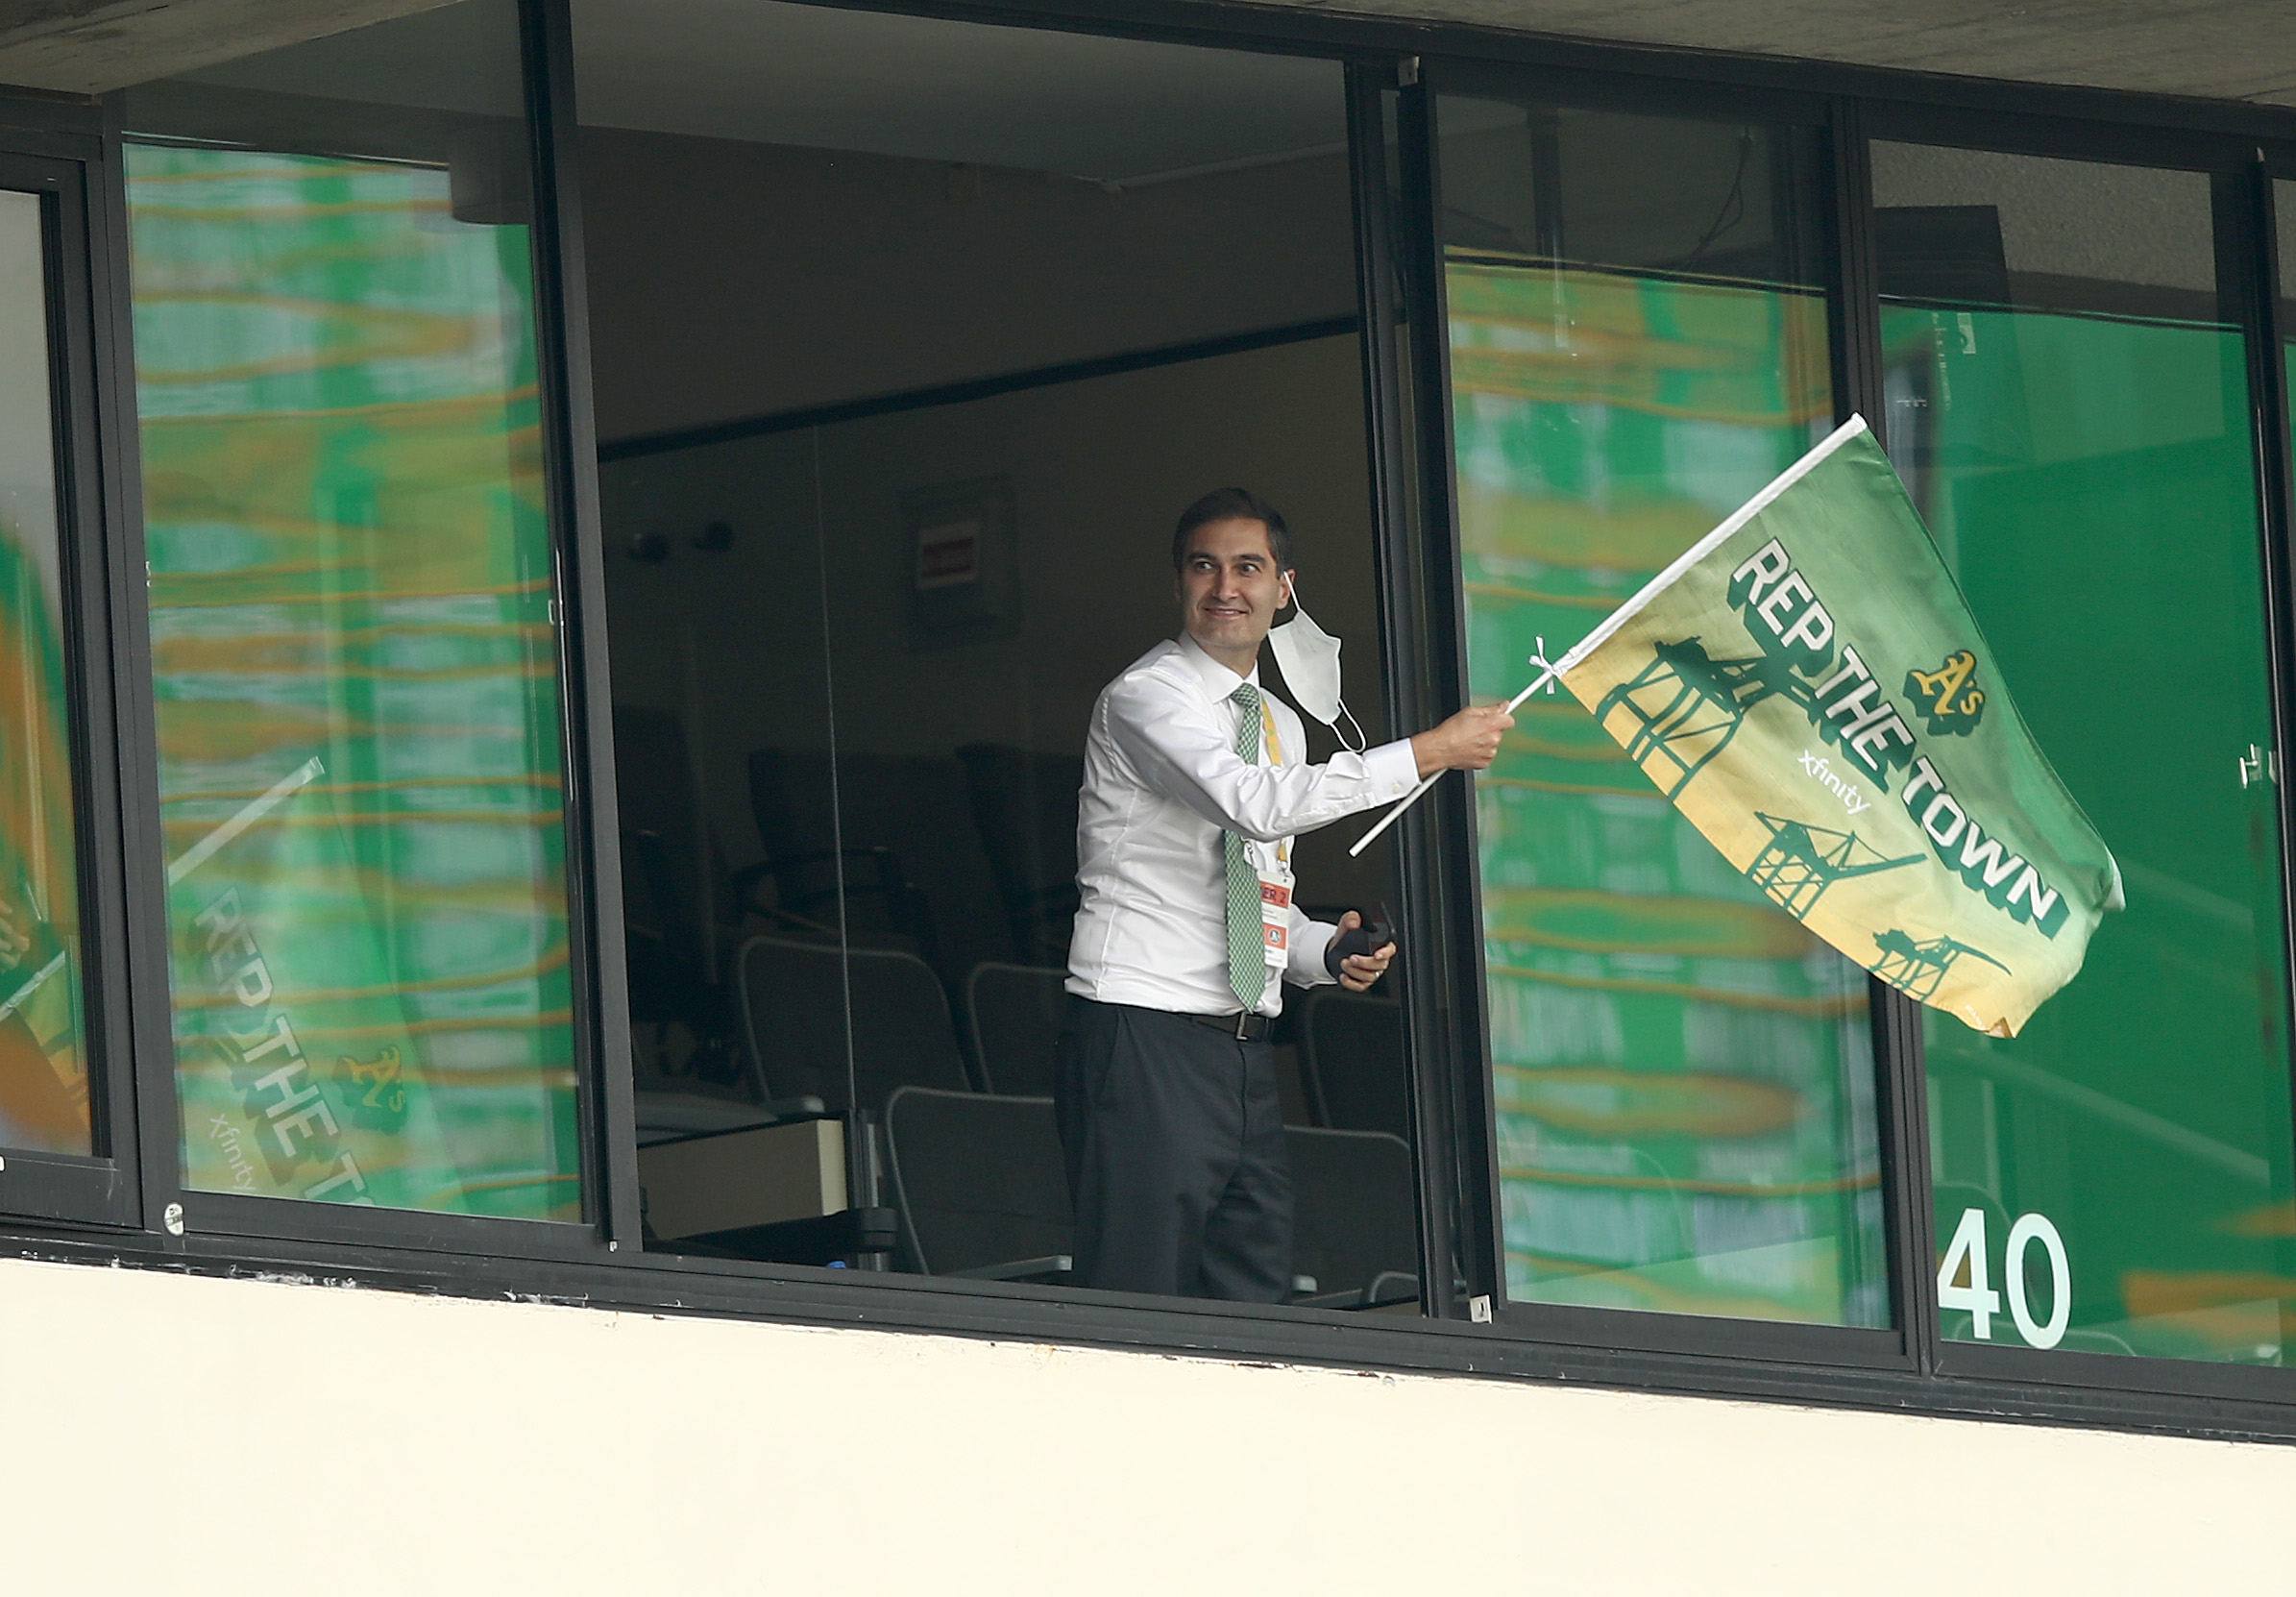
[1243,1026]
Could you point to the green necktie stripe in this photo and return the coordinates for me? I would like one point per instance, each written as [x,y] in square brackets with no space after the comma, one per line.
[1247,941]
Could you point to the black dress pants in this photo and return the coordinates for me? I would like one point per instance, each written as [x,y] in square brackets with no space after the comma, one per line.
[1174,1136]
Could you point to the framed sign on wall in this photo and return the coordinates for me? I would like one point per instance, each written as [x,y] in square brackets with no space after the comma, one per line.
[965,574]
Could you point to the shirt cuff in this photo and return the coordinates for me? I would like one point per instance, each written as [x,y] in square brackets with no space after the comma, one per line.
[1393,769]
[1305,967]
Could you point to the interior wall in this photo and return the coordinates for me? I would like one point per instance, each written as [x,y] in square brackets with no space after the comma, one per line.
[1100,470]
[382,1442]
[730,280]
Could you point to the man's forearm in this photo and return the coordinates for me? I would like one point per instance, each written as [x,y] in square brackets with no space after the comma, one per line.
[1469,741]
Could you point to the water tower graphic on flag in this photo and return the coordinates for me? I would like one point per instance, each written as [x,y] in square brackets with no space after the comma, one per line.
[1683,709]
[1802,861]
[1917,969]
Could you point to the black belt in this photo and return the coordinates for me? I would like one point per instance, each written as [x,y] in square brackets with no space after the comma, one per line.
[1245,1026]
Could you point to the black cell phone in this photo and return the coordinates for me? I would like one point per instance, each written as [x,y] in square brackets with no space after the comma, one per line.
[1368,938]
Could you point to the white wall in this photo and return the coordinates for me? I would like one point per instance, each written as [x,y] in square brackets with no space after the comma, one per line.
[191,1435]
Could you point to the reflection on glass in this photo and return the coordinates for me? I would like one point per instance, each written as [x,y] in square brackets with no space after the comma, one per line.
[2069,407]
[43,1062]
[353,663]
[1684,1078]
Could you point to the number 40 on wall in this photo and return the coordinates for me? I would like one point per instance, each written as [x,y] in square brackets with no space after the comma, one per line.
[1968,1252]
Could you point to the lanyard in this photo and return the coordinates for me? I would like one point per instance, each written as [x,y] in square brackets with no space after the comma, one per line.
[1272,746]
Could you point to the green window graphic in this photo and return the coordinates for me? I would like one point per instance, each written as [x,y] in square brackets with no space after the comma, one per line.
[2069,406]
[355,674]
[1683,1076]
[43,1066]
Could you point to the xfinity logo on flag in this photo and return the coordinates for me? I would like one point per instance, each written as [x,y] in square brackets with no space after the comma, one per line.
[1807,687]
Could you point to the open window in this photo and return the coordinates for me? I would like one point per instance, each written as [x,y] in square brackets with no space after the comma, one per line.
[912,340]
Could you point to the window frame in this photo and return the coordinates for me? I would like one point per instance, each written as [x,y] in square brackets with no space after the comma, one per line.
[2243,207]
[1419,648]
[1894,1346]
[59,159]
[595,971]
[2244,243]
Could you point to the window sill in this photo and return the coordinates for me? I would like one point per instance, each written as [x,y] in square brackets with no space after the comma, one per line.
[2139,1395]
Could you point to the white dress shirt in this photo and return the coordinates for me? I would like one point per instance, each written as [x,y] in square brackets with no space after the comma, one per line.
[1163,782]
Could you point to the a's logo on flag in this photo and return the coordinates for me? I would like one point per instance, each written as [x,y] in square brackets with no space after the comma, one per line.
[1949,698]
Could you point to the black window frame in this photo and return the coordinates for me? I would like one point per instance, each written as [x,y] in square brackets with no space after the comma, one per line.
[1460,924]
[595,969]
[1389,63]
[60,158]
[2242,223]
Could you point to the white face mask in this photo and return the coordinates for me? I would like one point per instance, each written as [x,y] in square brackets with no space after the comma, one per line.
[1309,656]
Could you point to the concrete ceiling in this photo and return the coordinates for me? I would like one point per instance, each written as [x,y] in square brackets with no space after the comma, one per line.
[2216,49]
[1118,112]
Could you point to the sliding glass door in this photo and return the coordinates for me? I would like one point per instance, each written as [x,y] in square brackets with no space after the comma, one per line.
[1683,1079]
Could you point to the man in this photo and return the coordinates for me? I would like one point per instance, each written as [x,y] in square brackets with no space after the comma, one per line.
[1195,784]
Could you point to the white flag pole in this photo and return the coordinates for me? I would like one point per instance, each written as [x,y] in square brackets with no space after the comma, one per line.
[1650,590]
[1544,679]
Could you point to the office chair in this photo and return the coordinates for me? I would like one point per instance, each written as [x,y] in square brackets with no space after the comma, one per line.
[790,799]
[1014,1015]
[980,1185]
[1024,807]
[1352,1061]
[668,931]
[792,1000]
[1355,1225]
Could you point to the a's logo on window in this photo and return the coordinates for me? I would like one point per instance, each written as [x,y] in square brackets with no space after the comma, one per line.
[378,1091]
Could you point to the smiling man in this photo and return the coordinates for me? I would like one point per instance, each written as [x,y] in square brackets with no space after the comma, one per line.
[1195,784]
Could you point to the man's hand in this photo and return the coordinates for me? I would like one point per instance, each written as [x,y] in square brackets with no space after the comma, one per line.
[1357,971]
[1468,741]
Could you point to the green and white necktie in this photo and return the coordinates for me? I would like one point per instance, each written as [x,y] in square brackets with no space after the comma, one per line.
[1247,941]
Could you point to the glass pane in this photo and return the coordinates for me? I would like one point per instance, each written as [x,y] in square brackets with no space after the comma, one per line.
[2070,407]
[354,660]
[43,1062]
[1684,1078]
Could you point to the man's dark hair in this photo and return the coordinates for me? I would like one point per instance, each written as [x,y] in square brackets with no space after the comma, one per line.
[1233,505]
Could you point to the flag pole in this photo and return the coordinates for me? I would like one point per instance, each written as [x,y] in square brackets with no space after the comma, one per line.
[1544,679]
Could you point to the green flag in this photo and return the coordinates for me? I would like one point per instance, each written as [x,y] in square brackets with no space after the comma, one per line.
[1807,687]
